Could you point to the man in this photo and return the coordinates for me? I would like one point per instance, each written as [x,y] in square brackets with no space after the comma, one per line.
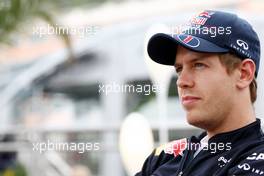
[217,60]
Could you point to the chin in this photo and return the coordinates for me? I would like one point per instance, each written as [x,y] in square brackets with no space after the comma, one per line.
[197,121]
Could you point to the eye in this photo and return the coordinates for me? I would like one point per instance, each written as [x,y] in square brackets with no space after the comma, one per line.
[199,65]
[178,70]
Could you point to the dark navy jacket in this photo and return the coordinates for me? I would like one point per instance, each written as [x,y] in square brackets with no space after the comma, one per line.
[235,153]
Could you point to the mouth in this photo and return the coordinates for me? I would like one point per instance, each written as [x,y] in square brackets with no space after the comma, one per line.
[189,100]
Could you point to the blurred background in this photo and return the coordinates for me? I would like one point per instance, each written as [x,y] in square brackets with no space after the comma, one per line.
[56,60]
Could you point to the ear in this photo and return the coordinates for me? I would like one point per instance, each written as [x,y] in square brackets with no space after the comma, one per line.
[247,73]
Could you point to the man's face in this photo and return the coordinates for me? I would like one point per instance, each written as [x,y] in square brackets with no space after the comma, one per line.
[206,91]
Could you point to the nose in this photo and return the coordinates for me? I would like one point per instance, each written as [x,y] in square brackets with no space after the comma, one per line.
[185,79]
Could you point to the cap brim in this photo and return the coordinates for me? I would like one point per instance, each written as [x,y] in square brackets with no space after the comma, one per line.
[162,48]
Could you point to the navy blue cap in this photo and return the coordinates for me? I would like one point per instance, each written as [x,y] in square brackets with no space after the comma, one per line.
[211,32]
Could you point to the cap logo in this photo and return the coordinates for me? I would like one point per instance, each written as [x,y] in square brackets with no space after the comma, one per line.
[201,18]
[243,44]
[206,14]
[189,40]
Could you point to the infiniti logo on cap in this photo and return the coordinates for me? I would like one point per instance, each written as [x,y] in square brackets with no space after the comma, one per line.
[243,44]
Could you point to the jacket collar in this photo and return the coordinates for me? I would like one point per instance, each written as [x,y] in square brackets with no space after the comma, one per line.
[250,132]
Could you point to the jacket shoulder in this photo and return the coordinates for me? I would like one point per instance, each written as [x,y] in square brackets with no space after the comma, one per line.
[251,163]
[163,154]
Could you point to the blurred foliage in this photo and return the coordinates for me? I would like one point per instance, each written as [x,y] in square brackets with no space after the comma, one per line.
[17,170]
[14,13]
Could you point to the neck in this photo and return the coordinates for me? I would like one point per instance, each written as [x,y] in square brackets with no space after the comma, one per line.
[240,116]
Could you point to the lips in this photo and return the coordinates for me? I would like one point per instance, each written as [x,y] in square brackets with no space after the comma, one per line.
[189,100]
